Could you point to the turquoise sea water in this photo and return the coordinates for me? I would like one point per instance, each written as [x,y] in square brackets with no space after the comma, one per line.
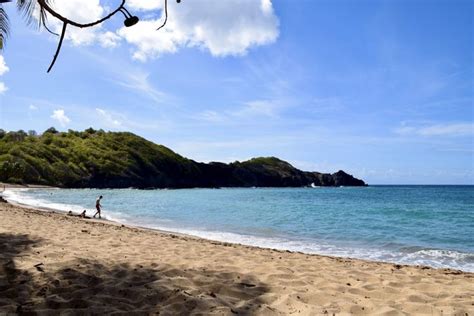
[429,225]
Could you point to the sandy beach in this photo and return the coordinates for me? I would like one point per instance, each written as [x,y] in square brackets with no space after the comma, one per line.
[53,263]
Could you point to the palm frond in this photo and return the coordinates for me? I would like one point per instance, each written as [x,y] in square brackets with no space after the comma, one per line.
[4,27]
[27,8]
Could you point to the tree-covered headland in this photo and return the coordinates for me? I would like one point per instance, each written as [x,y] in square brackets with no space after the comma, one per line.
[99,159]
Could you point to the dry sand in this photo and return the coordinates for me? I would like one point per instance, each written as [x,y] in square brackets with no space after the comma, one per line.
[53,263]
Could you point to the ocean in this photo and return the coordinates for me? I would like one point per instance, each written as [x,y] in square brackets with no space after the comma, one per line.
[417,225]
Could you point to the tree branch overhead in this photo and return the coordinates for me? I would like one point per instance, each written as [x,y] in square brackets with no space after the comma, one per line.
[28,7]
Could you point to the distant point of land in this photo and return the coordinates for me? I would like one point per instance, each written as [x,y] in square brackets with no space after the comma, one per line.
[99,159]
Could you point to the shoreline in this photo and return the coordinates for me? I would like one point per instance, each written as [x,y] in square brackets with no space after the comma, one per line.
[4,186]
[61,262]
[105,221]
[223,241]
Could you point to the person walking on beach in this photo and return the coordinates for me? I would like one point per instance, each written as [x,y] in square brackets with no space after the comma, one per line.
[98,206]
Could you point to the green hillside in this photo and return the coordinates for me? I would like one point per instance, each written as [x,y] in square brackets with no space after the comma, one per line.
[94,158]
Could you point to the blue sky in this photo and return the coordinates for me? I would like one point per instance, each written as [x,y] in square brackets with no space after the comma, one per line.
[380,89]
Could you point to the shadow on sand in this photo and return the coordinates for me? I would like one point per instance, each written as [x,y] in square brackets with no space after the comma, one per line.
[89,287]
[15,284]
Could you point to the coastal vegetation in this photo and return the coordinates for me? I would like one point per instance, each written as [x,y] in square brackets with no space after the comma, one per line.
[95,158]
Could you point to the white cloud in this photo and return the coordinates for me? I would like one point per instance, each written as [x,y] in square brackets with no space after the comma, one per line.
[131,77]
[446,129]
[3,88]
[266,6]
[405,130]
[223,27]
[82,12]
[211,116]
[33,107]
[3,66]
[460,129]
[109,39]
[61,117]
[259,108]
[139,81]
[247,111]
[108,119]
[144,4]
[150,42]
[3,69]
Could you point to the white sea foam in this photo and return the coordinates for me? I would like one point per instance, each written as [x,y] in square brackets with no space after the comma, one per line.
[433,258]
[436,258]
[20,196]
